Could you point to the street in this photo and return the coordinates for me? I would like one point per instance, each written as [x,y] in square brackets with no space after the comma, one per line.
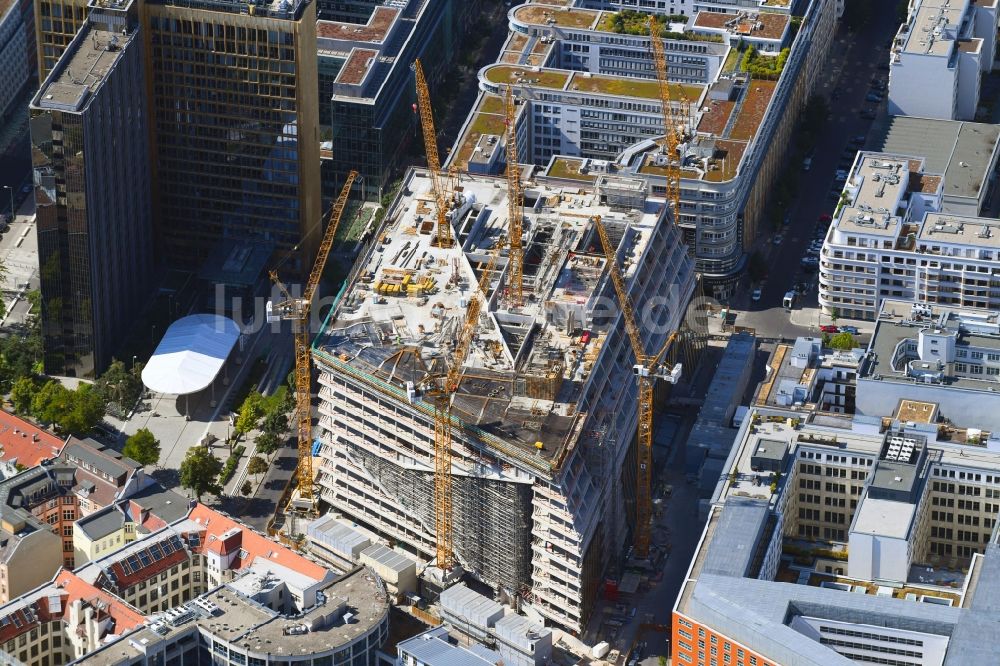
[849,71]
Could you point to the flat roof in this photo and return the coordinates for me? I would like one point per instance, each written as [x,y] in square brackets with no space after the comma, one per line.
[82,69]
[750,25]
[563,17]
[916,411]
[191,353]
[933,28]
[962,152]
[741,523]
[374,31]
[965,230]
[897,322]
[876,187]
[884,517]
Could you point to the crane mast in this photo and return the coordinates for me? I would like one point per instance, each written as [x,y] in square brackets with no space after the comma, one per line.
[671,123]
[647,370]
[441,194]
[297,311]
[442,388]
[515,203]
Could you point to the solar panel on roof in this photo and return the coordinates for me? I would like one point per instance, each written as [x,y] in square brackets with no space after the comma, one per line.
[155,552]
[144,558]
[17,621]
[125,566]
[168,546]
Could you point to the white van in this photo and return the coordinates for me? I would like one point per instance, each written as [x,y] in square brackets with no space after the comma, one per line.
[789,300]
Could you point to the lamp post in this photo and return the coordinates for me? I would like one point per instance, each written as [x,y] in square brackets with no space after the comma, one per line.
[11,190]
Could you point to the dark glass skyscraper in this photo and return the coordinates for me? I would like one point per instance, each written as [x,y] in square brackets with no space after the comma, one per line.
[234,116]
[95,243]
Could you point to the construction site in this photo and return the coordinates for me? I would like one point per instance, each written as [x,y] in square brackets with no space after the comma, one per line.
[523,337]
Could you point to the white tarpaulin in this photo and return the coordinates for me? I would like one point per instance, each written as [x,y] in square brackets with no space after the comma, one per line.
[190,354]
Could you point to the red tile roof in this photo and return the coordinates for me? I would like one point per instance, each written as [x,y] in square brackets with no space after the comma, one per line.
[52,602]
[255,545]
[26,442]
[125,616]
[126,578]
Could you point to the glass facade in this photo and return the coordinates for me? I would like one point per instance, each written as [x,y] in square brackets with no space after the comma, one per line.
[235,126]
[92,192]
[56,23]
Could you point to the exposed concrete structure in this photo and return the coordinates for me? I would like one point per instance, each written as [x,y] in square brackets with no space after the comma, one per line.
[545,412]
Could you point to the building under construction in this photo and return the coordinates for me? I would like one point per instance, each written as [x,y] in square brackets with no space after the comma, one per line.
[543,418]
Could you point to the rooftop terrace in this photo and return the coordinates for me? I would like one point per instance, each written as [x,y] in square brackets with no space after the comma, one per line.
[751,25]
[375,31]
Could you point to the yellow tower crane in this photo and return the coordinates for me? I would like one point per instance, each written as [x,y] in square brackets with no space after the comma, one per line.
[673,134]
[515,204]
[297,311]
[441,388]
[647,370]
[441,193]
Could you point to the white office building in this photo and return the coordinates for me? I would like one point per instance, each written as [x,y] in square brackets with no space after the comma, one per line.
[938,58]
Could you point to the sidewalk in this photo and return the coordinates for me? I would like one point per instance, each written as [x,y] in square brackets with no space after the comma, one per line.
[813,317]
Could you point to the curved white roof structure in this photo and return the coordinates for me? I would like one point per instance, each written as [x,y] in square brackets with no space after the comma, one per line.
[190,354]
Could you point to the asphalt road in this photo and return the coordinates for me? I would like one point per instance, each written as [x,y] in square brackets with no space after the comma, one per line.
[855,58]
[15,171]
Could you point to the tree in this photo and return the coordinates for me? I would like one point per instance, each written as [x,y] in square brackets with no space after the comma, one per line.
[268,443]
[246,489]
[275,422]
[843,341]
[834,315]
[22,393]
[50,401]
[257,466]
[87,408]
[200,471]
[120,387]
[143,447]
[250,412]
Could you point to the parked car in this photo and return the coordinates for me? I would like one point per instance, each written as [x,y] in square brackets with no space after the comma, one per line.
[825,217]
[755,295]
[777,240]
[868,114]
[874,98]
[829,328]
[807,163]
[853,330]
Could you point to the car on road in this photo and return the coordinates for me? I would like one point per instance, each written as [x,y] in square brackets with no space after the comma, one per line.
[777,239]
[874,98]
[868,114]
[829,328]
[807,163]
[853,330]
[755,295]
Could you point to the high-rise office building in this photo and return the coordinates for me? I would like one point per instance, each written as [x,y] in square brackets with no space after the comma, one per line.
[56,23]
[95,244]
[234,119]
